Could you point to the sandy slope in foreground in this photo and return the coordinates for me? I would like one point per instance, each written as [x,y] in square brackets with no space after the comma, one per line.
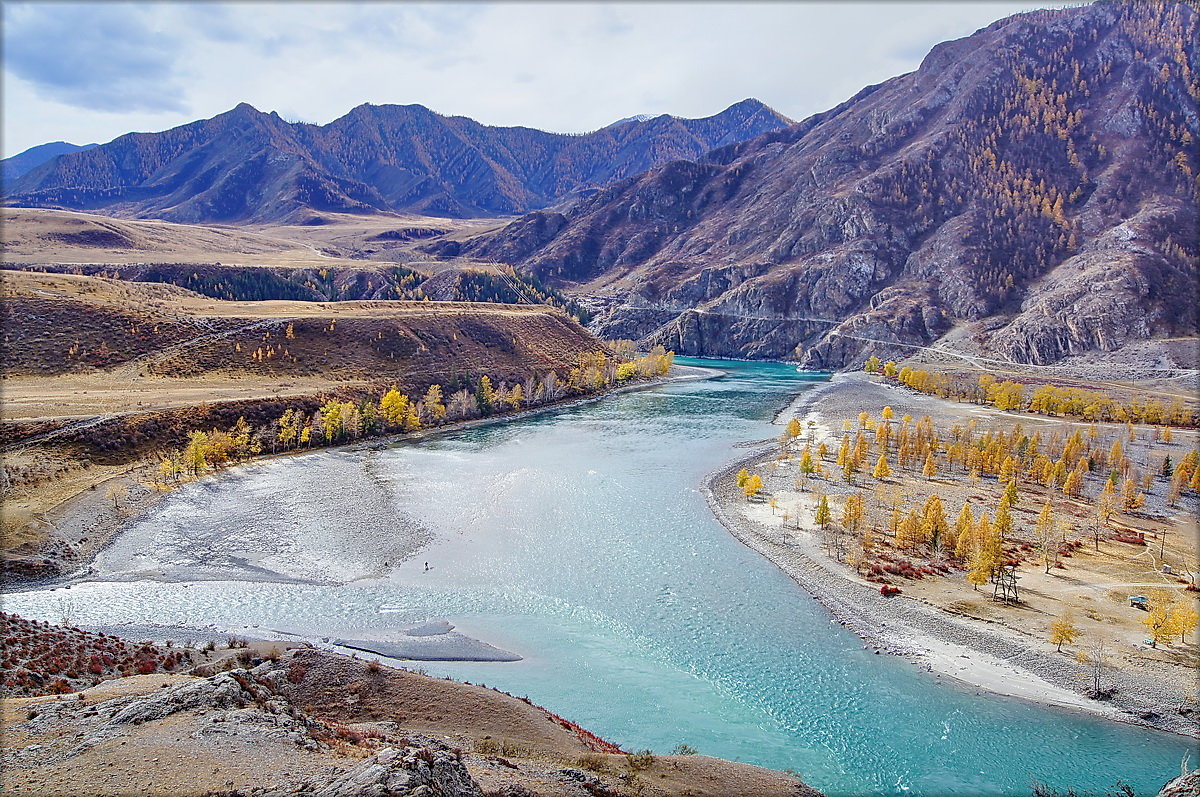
[317,723]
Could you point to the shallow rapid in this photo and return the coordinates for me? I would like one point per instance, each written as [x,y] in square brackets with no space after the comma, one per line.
[579,539]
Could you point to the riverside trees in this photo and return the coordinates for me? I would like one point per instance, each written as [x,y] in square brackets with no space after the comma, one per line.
[979,501]
[345,419]
[1076,402]
[1063,631]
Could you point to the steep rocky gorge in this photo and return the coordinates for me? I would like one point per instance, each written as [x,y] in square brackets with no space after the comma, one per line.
[1029,189]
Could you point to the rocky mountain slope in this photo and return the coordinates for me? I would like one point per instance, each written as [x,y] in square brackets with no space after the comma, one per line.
[1029,191]
[246,165]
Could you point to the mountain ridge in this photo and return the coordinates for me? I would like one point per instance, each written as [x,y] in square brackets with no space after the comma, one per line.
[23,162]
[245,165]
[1028,188]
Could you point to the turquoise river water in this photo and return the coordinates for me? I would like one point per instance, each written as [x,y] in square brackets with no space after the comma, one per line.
[579,539]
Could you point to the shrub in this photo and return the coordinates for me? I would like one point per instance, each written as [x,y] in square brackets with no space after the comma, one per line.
[501,747]
[296,672]
[641,760]
[683,749]
[592,763]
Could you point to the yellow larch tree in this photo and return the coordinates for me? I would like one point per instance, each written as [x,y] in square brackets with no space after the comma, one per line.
[882,470]
[1184,618]
[394,407]
[1160,617]
[934,528]
[964,529]
[1131,497]
[910,533]
[1063,630]
[824,515]
[753,485]
[849,468]
[980,568]
[931,469]
[843,454]
[1004,522]
[807,468]
[861,450]
[1011,494]
[1073,484]
[1044,530]
[853,512]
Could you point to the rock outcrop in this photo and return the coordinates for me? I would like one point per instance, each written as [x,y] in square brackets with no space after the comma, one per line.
[1032,183]
[314,722]
[1186,785]
[408,772]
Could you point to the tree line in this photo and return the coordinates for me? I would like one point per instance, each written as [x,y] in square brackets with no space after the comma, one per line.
[340,420]
[1041,399]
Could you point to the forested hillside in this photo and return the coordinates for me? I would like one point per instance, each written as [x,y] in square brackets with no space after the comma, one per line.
[1029,190]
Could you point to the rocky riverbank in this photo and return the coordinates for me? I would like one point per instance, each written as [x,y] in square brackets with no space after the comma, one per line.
[311,722]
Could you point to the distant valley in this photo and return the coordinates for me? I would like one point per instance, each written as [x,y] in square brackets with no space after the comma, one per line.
[291,402]
[1027,195]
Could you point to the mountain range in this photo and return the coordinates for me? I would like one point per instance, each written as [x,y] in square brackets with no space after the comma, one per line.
[248,166]
[1028,192]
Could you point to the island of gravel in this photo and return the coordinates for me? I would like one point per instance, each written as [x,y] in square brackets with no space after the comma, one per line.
[983,654]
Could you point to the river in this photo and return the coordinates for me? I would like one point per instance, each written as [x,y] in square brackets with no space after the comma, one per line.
[579,539]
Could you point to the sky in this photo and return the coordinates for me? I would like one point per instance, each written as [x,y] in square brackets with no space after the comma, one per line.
[88,72]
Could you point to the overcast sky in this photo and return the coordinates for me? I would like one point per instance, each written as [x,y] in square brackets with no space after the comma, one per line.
[88,72]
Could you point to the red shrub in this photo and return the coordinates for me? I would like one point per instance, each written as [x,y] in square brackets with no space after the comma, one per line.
[296,672]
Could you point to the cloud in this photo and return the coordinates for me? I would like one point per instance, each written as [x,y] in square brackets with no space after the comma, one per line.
[91,71]
[103,56]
